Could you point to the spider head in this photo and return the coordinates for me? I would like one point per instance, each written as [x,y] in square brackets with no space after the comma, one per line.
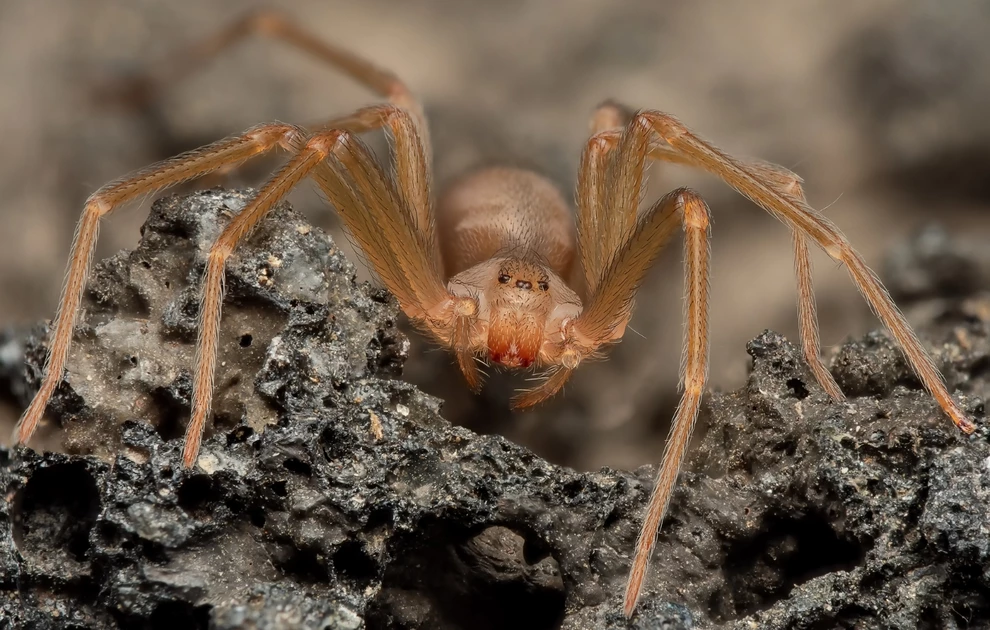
[519,300]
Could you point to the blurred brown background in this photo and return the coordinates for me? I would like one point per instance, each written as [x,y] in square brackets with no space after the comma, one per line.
[881,106]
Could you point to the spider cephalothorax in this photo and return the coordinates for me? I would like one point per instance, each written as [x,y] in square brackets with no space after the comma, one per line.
[499,266]
[522,306]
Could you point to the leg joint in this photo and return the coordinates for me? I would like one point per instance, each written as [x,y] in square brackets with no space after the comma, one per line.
[603,142]
[642,123]
[693,208]
[220,252]
[266,21]
[327,142]
[665,125]
[98,205]
[289,137]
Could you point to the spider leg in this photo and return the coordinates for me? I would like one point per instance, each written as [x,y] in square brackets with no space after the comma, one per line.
[811,343]
[797,214]
[789,185]
[400,250]
[693,213]
[369,205]
[270,24]
[610,304]
[591,195]
[190,165]
[211,297]
[598,231]
[606,138]
[623,258]
[412,169]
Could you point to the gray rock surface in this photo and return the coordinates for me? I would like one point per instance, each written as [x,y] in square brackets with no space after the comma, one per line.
[330,494]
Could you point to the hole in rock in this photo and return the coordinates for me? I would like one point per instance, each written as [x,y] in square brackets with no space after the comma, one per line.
[169,615]
[797,388]
[788,551]
[481,579]
[351,561]
[298,467]
[197,494]
[56,510]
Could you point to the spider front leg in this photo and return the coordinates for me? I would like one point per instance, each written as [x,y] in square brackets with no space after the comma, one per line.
[608,311]
[401,251]
[375,214]
[607,123]
[608,190]
[610,303]
[150,180]
[694,214]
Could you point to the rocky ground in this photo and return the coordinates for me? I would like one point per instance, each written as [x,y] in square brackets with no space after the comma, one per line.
[331,494]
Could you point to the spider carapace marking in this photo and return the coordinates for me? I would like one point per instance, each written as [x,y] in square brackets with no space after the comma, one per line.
[498,266]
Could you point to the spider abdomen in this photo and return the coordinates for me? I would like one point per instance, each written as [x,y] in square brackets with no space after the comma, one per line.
[505,211]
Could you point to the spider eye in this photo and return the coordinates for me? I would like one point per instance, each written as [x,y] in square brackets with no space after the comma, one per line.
[544,285]
[504,278]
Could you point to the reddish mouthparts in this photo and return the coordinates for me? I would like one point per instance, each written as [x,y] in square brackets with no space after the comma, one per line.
[510,359]
[511,343]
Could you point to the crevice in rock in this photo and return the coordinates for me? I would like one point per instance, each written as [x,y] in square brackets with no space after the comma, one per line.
[55,511]
[787,552]
[484,579]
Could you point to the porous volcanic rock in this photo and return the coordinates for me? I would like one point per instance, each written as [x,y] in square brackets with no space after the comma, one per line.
[330,494]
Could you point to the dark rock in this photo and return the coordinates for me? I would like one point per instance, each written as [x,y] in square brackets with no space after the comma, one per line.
[13,386]
[330,494]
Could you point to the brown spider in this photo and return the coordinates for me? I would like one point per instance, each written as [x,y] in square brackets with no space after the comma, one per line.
[488,270]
